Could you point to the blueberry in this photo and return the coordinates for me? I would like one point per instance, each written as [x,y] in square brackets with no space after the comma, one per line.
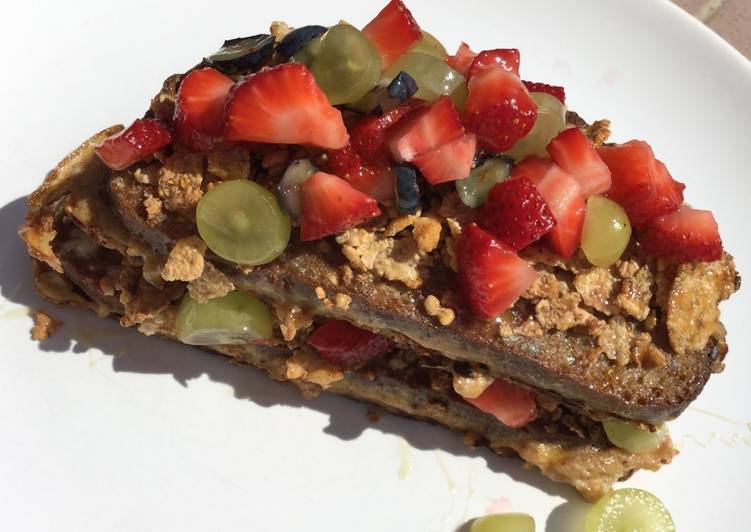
[244,54]
[402,87]
[294,41]
[406,189]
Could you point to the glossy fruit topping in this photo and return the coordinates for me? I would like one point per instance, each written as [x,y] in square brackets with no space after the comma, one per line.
[284,105]
[341,343]
[424,129]
[244,54]
[295,40]
[640,183]
[551,120]
[686,235]
[634,440]
[506,58]
[393,31]
[516,214]
[242,222]
[433,77]
[474,190]
[500,111]
[606,232]
[491,275]
[572,151]
[235,319]
[288,189]
[406,189]
[402,87]
[138,142]
[199,110]
[631,510]
[448,162]
[462,60]
[329,205]
[430,45]
[511,404]
[553,90]
[510,522]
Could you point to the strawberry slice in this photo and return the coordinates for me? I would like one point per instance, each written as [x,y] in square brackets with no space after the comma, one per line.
[329,205]
[641,184]
[341,343]
[461,61]
[564,197]
[686,235]
[199,111]
[506,58]
[553,90]
[512,405]
[374,180]
[491,275]
[572,151]
[284,105]
[393,31]
[516,213]
[138,142]
[448,162]
[499,109]
[368,136]
[424,129]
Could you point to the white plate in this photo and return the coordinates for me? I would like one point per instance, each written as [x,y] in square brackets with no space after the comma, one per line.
[102,429]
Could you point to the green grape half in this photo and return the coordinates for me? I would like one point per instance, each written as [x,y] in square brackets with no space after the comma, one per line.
[551,120]
[473,190]
[430,45]
[511,522]
[627,436]
[433,76]
[606,231]
[629,510]
[306,54]
[237,318]
[344,62]
[242,222]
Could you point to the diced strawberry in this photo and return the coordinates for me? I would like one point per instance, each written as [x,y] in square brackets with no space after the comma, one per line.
[329,205]
[461,61]
[424,129]
[284,105]
[499,109]
[368,136]
[374,180]
[686,235]
[516,213]
[511,404]
[393,31]
[641,184]
[564,197]
[572,151]
[507,58]
[199,111]
[448,162]
[553,90]
[341,343]
[138,142]
[491,275]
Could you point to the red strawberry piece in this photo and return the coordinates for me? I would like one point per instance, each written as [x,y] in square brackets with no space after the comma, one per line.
[553,90]
[506,58]
[368,136]
[138,142]
[329,205]
[686,235]
[641,184]
[564,197]
[572,151]
[448,162]
[374,180]
[199,112]
[461,61]
[511,404]
[284,105]
[491,275]
[516,213]
[499,109]
[341,343]
[393,31]
[424,129]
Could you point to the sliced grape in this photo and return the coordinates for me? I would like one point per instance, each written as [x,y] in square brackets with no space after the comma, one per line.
[344,62]
[629,437]
[306,54]
[551,120]
[473,190]
[629,510]
[242,222]
[433,76]
[431,46]
[510,522]
[606,232]
[288,189]
[237,318]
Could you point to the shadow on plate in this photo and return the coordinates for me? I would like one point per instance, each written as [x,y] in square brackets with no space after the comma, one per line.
[133,352]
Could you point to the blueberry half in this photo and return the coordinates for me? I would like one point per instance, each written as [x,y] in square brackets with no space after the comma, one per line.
[402,87]
[294,41]
[406,189]
[244,54]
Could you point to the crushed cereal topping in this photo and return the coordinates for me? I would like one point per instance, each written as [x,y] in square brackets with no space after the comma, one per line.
[185,261]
